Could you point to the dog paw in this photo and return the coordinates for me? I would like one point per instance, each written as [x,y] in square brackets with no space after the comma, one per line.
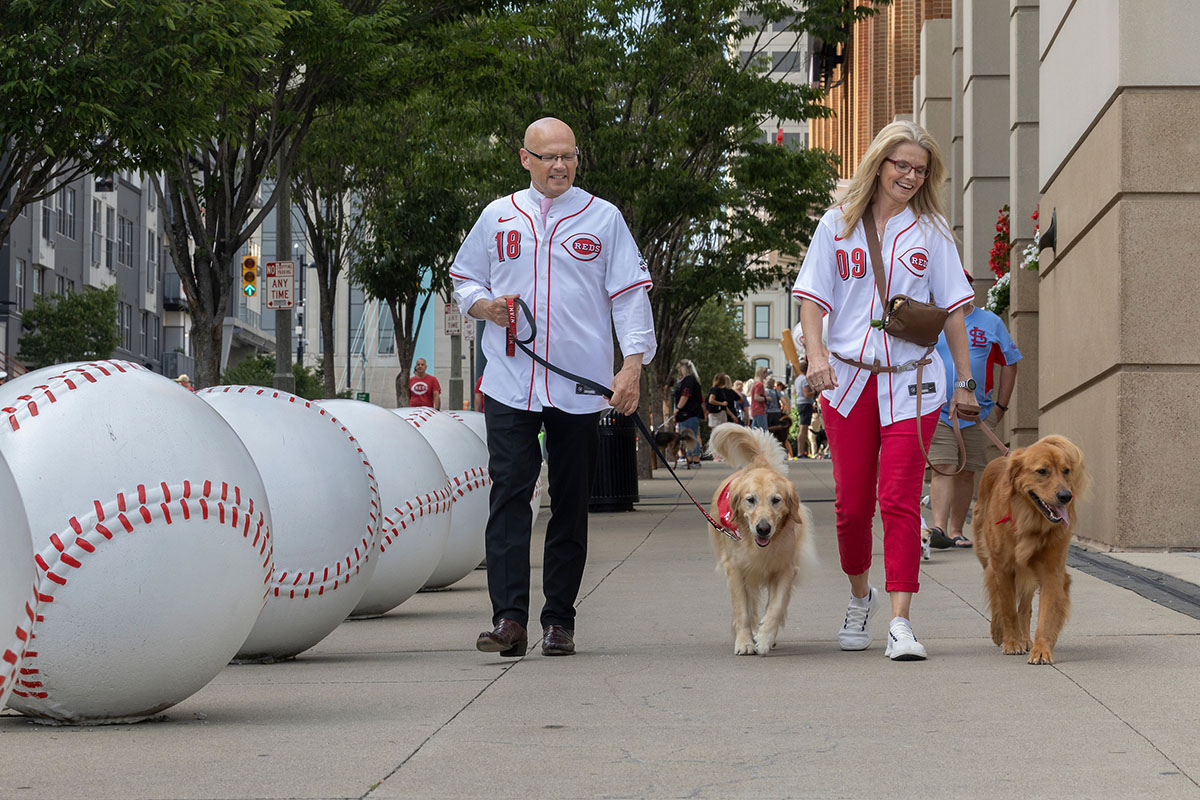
[743,647]
[1041,655]
[763,646]
[1011,648]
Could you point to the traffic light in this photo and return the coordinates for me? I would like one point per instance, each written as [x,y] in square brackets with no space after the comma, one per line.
[249,276]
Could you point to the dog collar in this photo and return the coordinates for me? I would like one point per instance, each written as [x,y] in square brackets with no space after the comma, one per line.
[1007,518]
[725,513]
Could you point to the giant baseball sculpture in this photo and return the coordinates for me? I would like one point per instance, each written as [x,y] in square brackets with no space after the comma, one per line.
[152,537]
[475,421]
[18,585]
[464,459]
[325,504]
[415,500]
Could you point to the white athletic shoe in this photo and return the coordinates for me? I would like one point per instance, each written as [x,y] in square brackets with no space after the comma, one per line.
[902,645]
[856,630]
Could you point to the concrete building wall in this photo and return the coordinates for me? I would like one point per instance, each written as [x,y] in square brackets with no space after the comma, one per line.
[1119,366]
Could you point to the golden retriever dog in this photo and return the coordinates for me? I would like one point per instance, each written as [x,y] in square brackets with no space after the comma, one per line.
[1022,526]
[760,505]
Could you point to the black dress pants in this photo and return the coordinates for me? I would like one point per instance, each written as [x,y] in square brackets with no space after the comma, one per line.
[514,461]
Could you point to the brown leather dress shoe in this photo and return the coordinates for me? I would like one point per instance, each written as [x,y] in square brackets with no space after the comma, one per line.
[558,641]
[508,639]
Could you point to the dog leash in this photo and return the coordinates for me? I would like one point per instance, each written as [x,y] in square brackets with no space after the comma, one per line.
[512,341]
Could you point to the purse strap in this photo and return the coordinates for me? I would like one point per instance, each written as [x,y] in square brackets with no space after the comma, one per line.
[868,221]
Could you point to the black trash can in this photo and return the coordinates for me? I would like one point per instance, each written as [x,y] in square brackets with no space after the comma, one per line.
[614,476]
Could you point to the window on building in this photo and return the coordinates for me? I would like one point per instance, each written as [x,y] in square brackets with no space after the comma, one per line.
[97,231]
[47,218]
[110,235]
[762,361]
[145,334]
[127,326]
[65,199]
[20,283]
[762,321]
[39,277]
[356,320]
[70,287]
[155,352]
[60,285]
[151,264]
[387,331]
[151,197]
[125,242]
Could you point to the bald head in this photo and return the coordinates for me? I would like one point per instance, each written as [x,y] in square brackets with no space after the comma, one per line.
[544,139]
[544,129]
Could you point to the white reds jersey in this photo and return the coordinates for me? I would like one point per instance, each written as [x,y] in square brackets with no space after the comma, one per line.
[581,275]
[919,260]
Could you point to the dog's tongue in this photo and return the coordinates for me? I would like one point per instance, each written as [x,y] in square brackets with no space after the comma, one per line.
[1061,511]
[762,541]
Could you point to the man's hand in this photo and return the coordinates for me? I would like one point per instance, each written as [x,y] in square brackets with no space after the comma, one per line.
[627,385]
[493,310]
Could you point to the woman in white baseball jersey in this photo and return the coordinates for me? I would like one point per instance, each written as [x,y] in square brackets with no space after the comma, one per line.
[867,379]
[571,258]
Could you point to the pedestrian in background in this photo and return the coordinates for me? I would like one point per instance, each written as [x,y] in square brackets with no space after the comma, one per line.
[868,379]
[689,405]
[804,409]
[423,388]
[721,401]
[758,399]
[989,343]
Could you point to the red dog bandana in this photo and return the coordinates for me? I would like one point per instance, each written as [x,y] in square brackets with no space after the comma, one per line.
[725,513]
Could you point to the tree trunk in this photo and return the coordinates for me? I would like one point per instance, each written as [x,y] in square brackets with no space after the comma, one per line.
[206,347]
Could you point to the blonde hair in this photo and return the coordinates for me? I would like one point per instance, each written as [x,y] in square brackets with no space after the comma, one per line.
[689,368]
[926,201]
[760,373]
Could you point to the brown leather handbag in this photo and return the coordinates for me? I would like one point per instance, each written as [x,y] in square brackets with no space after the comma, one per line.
[903,317]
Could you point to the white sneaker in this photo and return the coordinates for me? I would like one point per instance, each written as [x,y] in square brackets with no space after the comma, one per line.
[856,631]
[902,645]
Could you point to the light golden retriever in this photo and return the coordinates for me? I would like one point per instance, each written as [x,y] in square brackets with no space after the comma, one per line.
[1022,526]
[774,544]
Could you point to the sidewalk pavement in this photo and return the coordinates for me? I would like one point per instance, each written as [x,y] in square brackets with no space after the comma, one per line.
[656,705]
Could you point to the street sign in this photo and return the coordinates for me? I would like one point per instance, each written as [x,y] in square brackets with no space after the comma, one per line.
[363,396]
[280,284]
[452,321]
[468,329]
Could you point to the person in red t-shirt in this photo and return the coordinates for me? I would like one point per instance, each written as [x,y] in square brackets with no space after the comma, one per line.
[423,388]
[479,394]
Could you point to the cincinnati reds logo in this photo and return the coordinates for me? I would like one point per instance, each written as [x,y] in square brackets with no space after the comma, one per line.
[420,387]
[583,246]
[916,261]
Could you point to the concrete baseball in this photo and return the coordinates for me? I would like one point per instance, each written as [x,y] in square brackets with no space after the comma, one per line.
[475,421]
[464,460]
[325,504]
[18,585]
[151,533]
[414,497]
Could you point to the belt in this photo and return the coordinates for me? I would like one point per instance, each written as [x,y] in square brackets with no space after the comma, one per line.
[918,364]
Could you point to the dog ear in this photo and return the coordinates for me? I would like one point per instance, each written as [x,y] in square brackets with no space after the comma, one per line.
[1016,463]
[792,498]
[735,497]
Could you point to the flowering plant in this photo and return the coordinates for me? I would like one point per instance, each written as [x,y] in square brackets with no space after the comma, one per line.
[997,297]
[1002,244]
[1029,256]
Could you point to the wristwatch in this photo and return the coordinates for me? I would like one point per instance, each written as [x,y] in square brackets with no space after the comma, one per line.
[968,384]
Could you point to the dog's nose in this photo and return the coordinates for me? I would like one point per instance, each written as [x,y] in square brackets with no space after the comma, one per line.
[1064,496]
[763,528]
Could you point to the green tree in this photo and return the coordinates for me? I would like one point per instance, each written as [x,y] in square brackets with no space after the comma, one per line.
[716,341]
[73,327]
[668,118]
[259,370]
[441,175]
[100,85]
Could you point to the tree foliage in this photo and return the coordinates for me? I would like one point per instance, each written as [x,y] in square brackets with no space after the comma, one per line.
[72,327]
[259,370]
[100,85]
[716,341]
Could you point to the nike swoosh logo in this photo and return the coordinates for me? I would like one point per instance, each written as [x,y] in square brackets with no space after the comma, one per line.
[837,238]
[509,219]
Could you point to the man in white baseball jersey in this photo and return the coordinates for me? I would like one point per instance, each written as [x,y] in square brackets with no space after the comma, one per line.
[570,257]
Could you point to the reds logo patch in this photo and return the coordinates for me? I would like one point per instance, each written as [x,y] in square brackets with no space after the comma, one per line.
[583,246]
[916,261]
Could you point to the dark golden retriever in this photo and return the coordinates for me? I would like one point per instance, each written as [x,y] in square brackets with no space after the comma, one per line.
[760,503]
[1022,524]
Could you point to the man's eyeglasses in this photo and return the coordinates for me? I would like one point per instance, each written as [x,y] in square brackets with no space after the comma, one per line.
[903,167]
[566,158]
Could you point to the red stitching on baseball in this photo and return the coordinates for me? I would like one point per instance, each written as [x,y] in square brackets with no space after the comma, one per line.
[73,557]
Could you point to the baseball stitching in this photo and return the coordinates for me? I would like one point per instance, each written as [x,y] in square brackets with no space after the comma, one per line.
[435,502]
[301,583]
[164,504]
[17,651]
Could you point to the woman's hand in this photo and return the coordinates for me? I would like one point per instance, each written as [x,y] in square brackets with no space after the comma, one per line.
[820,373]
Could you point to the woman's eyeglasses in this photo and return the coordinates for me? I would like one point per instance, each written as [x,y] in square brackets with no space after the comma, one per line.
[903,167]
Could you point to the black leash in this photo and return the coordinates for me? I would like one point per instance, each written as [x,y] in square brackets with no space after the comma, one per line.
[511,340]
